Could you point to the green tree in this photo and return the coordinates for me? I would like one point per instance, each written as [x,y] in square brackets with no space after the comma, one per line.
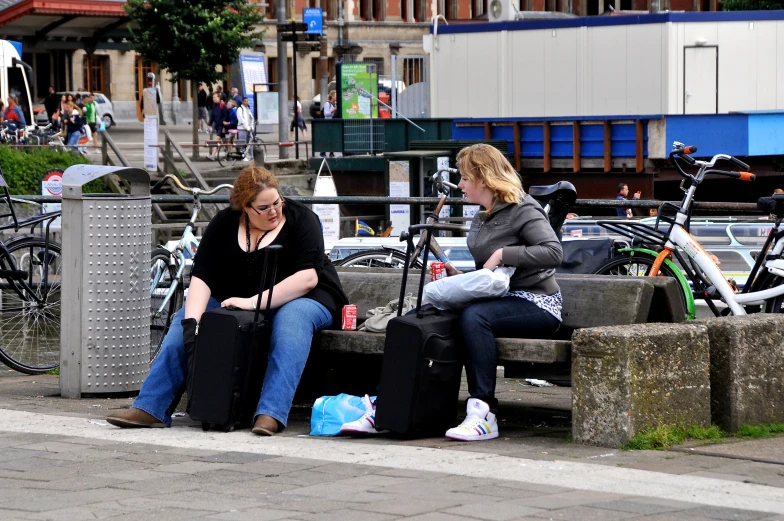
[751,5]
[190,38]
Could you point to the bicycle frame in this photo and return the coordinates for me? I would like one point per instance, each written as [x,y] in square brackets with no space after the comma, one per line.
[678,236]
[188,240]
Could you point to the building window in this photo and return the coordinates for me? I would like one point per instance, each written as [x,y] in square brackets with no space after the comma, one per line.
[479,8]
[95,73]
[182,89]
[412,72]
[141,68]
[271,10]
[419,10]
[272,75]
[451,9]
[404,10]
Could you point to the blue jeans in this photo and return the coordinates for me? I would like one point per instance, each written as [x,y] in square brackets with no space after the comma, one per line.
[505,317]
[73,140]
[293,327]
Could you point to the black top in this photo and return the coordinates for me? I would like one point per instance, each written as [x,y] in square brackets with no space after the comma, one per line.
[202,98]
[231,272]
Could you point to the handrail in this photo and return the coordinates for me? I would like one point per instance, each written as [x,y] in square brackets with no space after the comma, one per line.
[452,201]
[170,141]
[106,143]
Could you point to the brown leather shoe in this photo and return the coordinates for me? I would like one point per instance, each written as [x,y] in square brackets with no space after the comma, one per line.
[265,425]
[134,418]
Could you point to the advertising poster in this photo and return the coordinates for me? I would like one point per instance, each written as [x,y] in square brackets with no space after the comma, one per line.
[52,184]
[151,143]
[267,108]
[399,186]
[358,91]
[254,71]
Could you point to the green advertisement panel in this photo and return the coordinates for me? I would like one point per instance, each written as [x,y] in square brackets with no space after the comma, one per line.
[358,84]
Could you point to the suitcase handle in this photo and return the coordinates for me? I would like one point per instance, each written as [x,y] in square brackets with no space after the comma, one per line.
[428,230]
[271,250]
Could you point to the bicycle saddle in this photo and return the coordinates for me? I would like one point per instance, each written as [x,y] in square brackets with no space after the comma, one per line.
[773,204]
[557,200]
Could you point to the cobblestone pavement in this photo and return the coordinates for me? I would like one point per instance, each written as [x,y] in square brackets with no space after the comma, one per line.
[61,461]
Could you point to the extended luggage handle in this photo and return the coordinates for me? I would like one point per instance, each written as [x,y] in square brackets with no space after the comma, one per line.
[269,251]
[407,236]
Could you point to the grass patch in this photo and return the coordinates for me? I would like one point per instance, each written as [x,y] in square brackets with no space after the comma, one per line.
[664,437]
[55,371]
[766,430]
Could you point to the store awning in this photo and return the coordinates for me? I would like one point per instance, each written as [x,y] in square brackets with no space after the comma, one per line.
[65,24]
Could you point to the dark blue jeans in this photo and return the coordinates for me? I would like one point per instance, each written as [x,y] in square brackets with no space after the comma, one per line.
[505,317]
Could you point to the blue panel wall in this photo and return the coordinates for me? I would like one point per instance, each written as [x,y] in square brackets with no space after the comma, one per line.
[766,134]
[711,134]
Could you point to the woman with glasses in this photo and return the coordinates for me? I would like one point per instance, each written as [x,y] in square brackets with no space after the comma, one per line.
[307,298]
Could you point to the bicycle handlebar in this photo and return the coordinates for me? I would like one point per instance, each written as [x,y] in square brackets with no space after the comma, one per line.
[682,152]
[194,191]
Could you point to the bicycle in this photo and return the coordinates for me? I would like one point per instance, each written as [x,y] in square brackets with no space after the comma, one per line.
[556,200]
[167,268]
[652,248]
[30,281]
[230,152]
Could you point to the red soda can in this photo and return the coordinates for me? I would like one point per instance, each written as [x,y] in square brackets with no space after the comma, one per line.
[438,270]
[350,317]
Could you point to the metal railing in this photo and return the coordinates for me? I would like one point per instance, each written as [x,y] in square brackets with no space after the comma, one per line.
[351,200]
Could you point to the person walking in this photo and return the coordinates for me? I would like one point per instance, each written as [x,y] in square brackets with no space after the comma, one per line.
[623,192]
[202,104]
[235,95]
[91,115]
[75,124]
[298,120]
[217,117]
[13,117]
[51,102]
[245,126]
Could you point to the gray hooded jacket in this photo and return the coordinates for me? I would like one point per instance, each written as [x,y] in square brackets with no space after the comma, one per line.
[529,244]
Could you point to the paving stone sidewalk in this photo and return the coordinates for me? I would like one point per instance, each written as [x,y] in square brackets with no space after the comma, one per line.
[69,478]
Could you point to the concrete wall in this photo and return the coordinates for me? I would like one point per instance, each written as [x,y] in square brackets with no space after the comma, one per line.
[602,66]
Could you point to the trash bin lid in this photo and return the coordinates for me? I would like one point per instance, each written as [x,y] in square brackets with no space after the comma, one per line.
[75,177]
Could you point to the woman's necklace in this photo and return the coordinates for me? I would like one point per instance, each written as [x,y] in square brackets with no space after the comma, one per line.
[247,235]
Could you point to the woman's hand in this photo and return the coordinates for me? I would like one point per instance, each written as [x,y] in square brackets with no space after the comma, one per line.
[495,260]
[451,270]
[248,304]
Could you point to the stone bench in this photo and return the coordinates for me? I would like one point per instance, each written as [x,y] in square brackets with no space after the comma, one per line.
[589,301]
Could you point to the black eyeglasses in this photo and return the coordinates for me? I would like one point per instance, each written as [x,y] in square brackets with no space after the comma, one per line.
[265,209]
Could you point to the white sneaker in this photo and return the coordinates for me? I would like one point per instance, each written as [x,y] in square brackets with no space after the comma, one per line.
[365,426]
[480,423]
[246,159]
[210,157]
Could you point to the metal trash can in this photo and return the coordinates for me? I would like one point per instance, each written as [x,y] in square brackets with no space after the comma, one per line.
[105,332]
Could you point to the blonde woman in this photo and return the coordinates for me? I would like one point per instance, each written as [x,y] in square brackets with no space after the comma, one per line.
[511,231]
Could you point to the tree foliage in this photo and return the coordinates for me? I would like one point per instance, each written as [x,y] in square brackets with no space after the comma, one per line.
[190,38]
[751,5]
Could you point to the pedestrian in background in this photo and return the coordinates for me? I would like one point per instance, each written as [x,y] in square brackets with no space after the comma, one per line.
[217,117]
[51,103]
[245,126]
[235,95]
[202,104]
[297,119]
[623,192]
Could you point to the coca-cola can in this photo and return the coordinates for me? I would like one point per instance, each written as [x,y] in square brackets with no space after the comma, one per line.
[438,270]
[350,317]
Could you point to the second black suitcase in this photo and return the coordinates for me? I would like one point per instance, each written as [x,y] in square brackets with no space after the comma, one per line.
[421,370]
[229,361]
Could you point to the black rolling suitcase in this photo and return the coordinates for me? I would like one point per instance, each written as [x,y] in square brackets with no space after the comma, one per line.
[229,360]
[422,366]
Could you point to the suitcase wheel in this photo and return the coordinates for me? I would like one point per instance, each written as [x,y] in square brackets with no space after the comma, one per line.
[228,428]
[205,426]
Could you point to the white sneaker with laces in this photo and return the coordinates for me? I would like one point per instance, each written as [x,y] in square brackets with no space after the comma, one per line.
[365,426]
[480,423]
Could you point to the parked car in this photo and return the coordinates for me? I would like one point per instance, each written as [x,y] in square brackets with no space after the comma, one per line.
[102,103]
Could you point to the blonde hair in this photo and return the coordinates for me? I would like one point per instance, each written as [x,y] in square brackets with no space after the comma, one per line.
[485,163]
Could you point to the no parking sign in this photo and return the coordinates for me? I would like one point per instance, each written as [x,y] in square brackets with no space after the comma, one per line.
[52,184]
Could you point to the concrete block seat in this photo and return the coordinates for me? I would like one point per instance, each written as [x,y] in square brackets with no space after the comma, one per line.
[589,301]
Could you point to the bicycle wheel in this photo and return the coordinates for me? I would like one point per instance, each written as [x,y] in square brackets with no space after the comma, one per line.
[30,316]
[376,259]
[226,156]
[162,273]
[638,266]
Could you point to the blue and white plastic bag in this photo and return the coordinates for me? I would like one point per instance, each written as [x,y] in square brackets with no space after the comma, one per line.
[331,412]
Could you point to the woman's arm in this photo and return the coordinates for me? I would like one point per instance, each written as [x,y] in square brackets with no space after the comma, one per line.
[288,289]
[198,295]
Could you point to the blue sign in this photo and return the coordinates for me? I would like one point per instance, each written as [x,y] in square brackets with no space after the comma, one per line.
[312,17]
[254,72]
